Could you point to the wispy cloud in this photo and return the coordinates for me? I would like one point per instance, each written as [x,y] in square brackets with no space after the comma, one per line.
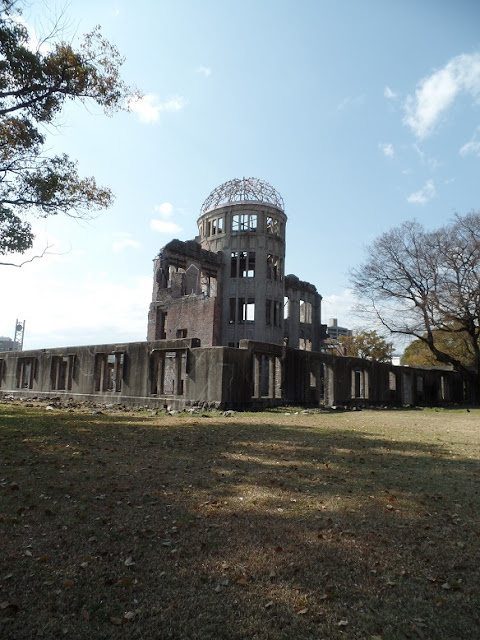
[424,195]
[149,107]
[387,149]
[162,223]
[206,71]
[389,94]
[472,147]
[122,240]
[436,93]
[351,101]
[34,43]
[165,209]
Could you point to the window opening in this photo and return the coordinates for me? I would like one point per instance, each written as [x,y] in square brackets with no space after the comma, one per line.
[62,372]
[276,313]
[108,371]
[26,369]
[244,222]
[272,225]
[234,264]
[305,312]
[392,381]
[246,310]
[231,314]
[273,270]
[242,264]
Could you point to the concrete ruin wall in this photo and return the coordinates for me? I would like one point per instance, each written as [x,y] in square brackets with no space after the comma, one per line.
[182,373]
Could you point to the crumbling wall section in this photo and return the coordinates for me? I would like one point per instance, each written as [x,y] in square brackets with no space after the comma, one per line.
[185,298]
[302,315]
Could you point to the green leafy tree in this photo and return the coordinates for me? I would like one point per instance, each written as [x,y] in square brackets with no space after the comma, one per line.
[34,85]
[418,354]
[426,284]
[367,344]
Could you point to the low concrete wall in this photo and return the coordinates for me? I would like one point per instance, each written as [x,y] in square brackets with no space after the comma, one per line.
[181,373]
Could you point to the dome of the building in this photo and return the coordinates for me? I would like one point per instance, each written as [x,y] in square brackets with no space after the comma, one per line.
[243,190]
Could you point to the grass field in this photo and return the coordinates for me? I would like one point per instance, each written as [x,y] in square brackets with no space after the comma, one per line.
[279,525]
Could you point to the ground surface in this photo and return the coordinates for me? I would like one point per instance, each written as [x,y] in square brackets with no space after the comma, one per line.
[263,526]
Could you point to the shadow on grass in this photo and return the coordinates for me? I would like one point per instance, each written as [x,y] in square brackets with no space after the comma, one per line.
[201,528]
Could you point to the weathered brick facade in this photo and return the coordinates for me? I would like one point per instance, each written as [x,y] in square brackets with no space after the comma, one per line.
[229,283]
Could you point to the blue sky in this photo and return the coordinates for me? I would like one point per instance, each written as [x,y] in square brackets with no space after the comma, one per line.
[361,114]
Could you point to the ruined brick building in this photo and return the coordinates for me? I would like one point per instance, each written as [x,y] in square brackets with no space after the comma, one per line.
[228,284]
[226,328]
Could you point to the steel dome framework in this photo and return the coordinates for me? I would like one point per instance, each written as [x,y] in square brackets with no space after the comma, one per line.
[243,190]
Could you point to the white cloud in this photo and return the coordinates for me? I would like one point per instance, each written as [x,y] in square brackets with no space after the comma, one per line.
[436,93]
[351,101]
[148,107]
[424,195]
[389,94]
[165,209]
[387,149]
[472,147]
[162,226]
[206,71]
[122,240]
[34,44]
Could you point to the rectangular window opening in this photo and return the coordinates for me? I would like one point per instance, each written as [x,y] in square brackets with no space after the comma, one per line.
[234,264]
[392,381]
[305,312]
[26,371]
[276,313]
[273,225]
[231,315]
[246,310]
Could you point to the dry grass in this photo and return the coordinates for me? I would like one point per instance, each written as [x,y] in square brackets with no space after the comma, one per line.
[266,526]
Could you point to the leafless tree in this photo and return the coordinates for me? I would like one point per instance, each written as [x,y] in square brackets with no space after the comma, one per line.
[419,283]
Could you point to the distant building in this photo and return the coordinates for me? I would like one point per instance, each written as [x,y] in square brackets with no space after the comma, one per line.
[334,331]
[7,344]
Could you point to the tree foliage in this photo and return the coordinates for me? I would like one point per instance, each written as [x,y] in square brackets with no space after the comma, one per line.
[34,85]
[367,344]
[426,284]
[417,354]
